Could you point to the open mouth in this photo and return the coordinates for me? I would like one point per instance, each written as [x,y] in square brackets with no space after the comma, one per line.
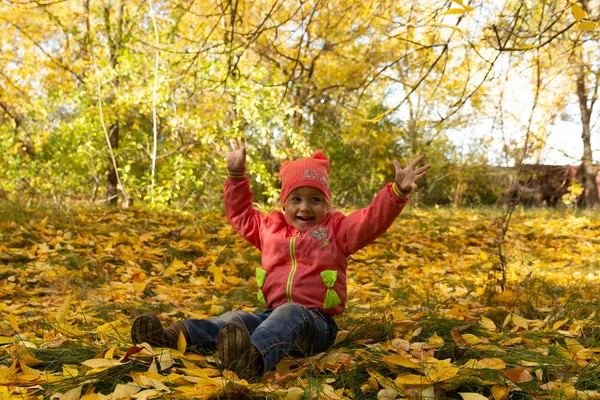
[305,220]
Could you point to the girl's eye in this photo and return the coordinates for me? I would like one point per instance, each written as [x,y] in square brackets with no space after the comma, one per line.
[316,199]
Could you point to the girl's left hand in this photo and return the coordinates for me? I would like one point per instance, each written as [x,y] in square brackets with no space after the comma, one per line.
[406,178]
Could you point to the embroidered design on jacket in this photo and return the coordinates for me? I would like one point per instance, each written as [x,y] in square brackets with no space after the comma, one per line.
[321,235]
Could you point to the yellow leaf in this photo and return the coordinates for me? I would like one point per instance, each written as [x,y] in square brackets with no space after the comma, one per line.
[500,392]
[436,341]
[539,374]
[64,309]
[13,322]
[587,26]
[6,340]
[125,390]
[110,353]
[458,311]
[218,275]
[454,11]
[485,363]
[70,371]
[149,380]
[165,359]
[488,323]
[483,256]
[412,379]
[294,393]
[573,345]
[178,264]
[73,394]
[458,338]
[507,296]
[107,327]
[28,370]
[400,361]
[153,367]
[101,363]
[578,12]
[216,310]
[511,341]
[471,339]
[520,321]
[442,373]
[558,324]
[181,343]
[43,248]
[489,347]
[147,394]
[139,287]
[472,396]
[399,315]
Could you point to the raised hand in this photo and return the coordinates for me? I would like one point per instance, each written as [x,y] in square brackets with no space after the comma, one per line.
[236,156]
[406,178]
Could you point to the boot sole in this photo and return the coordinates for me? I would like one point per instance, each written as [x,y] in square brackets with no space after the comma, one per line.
[233,345]
[147,328]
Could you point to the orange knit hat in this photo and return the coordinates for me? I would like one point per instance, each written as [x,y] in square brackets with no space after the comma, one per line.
[309,171]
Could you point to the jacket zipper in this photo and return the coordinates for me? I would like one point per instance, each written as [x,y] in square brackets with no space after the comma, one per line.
[288,289]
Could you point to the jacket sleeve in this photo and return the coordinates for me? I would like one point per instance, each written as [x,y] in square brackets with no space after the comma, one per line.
[246,220]
[363,226]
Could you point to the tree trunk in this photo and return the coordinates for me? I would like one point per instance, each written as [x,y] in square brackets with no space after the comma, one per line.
[112,181]
[114,35]
[587,162]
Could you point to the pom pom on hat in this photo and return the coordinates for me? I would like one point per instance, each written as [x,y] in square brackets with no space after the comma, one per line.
[308,171]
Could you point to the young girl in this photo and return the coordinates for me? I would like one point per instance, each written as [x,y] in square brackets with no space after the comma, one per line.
[302,280]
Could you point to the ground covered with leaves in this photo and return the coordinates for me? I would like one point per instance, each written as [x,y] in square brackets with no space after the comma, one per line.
[426,316]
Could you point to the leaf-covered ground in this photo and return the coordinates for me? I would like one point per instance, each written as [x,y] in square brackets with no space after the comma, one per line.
[425,317]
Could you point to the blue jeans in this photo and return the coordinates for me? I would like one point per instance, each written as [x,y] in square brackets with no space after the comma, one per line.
[288,329]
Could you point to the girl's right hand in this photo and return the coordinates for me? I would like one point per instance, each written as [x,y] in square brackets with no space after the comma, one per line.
[236,156]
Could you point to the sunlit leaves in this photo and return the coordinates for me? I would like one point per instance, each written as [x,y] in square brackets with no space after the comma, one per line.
[454,11]
[578,12]
[587,25]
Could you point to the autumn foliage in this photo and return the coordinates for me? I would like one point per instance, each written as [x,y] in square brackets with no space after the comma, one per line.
[425,317]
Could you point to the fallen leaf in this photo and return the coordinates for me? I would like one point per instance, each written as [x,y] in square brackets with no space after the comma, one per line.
[472,396]
[488,323]
[485,363]
[294,393]
[181,343]
[518,375]
[520,321]
[125,390]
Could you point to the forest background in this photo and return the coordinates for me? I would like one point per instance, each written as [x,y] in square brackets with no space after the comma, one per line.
[129,100]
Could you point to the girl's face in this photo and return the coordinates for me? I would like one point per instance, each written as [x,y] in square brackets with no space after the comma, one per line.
[305,207]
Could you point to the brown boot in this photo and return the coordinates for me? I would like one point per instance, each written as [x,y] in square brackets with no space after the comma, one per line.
[147,328]
[237,353]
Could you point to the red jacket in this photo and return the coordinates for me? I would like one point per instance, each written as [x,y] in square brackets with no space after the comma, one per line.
[307,268]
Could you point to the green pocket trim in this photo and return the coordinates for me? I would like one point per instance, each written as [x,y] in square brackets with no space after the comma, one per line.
[261,274]
[329,278]
[331,299]
[261,297]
